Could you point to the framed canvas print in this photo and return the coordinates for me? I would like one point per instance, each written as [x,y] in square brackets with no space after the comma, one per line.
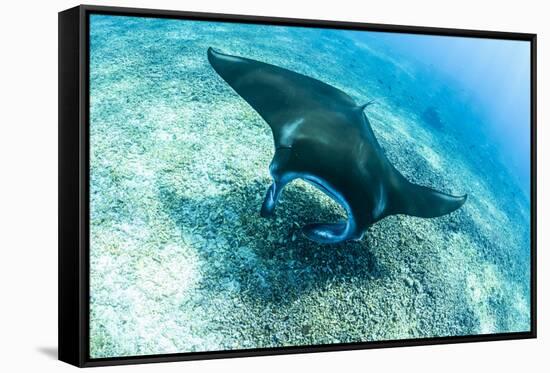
[237,186]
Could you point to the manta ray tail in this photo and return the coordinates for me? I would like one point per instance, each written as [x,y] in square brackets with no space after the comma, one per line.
[429,203]
[364,106]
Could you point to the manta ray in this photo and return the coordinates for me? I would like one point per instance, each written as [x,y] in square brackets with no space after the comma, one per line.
[323,137]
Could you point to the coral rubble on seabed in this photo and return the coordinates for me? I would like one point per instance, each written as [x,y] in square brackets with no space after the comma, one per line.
[180,259]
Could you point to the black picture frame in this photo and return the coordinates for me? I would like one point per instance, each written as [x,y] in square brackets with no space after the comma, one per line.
[74,194]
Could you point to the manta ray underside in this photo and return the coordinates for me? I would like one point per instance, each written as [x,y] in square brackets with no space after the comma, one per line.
[322,136]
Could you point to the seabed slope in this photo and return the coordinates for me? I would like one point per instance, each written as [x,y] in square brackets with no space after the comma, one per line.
[181,260]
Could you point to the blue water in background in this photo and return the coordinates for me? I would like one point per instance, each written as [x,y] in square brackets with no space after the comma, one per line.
[495,77]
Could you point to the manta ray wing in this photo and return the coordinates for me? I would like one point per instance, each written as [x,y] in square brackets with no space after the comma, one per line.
[277,94]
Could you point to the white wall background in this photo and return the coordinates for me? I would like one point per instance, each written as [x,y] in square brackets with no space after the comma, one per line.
[28,184]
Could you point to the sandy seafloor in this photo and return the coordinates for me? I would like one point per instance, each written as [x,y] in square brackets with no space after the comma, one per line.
[180,259]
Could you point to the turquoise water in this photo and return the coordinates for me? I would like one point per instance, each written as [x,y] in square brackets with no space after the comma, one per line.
[180,259]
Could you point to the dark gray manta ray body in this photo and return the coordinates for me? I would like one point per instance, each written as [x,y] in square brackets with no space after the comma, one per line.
[322,136]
